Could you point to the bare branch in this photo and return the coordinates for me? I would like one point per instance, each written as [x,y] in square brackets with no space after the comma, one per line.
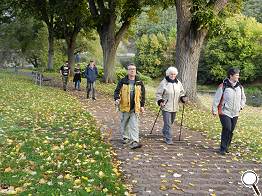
[219,5]
[122,30]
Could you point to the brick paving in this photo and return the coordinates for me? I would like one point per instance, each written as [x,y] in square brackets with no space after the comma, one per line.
[191,167]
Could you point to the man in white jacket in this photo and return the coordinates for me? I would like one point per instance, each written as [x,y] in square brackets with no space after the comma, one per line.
[228,101]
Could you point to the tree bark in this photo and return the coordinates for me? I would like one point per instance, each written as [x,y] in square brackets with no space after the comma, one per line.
[109,47]
[189,43]
[50,48]
[109,53]
[71,45]
[109,37]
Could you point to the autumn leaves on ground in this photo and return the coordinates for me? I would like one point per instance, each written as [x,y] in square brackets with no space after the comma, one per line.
[49,145]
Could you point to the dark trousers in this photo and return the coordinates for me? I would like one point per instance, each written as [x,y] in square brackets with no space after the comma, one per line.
[65,80]
[77,84]
[90,87]
[228,126]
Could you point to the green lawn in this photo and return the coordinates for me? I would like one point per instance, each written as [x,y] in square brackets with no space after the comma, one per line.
[247,141]
[49,145]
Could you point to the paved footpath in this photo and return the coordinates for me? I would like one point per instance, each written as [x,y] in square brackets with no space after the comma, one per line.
[192,167]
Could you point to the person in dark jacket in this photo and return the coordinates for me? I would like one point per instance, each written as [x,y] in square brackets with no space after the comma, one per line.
[129,95]
[65,71]
[91,74]
[77,77]
[228,101]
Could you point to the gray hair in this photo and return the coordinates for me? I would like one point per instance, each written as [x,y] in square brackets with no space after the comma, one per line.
[171,70]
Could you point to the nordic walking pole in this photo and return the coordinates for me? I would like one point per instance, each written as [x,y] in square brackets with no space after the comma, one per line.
[158,113]
[155,120]
[181,121]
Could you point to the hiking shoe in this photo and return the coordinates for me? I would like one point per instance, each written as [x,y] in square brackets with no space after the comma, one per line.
[169,142]
[135,145]
[222,152]
[125,140]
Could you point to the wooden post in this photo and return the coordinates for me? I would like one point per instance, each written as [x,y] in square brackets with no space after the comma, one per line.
[36,78]
[40,82]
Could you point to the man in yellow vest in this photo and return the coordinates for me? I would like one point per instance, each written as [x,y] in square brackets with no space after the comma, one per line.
[129,95]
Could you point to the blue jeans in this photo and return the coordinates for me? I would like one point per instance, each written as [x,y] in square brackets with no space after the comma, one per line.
[90,87]
[77,84]
[169,118]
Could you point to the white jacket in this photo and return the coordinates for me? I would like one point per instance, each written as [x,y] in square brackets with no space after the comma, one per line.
[229,102]
[170,93]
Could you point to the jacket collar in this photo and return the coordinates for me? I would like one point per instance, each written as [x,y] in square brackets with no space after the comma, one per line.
[228,84]
[126,80]
[171,81]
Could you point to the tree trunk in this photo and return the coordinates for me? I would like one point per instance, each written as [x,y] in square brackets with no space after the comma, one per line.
[50,48]
[71,44]
[109,46]
[188,47]
[109,54]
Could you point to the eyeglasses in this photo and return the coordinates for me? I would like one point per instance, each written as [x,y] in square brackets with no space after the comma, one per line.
[131,69]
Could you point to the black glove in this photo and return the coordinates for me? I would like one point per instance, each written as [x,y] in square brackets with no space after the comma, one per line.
[160,101]
[184,99]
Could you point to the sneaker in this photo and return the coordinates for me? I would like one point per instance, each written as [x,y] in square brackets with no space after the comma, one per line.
[169,142]
[94,98]
[125,140]
[135,145]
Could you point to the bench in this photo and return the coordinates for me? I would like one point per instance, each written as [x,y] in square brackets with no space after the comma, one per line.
[39,78]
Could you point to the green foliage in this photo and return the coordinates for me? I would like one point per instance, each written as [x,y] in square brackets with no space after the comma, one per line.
[239,46]
[122,72]
[50,145]
[254,96]
[203,15]
[253,8]
[88,45]
[71,17]
[150,54]
[26,39]
[155,21]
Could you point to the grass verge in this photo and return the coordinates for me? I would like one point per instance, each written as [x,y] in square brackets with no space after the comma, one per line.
[49,145]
